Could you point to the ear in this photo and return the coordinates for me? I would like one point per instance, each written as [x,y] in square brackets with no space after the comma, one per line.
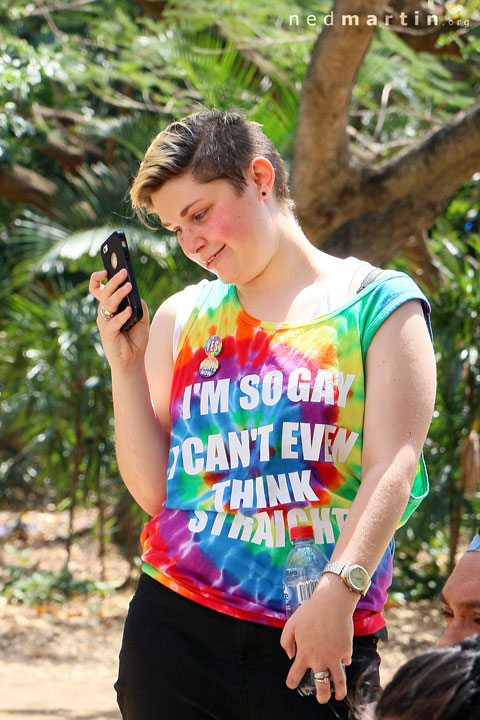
[262,173]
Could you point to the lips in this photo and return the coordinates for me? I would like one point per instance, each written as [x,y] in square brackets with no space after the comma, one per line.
[211,259]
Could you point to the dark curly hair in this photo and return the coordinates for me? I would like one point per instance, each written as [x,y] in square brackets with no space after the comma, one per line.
[441,684]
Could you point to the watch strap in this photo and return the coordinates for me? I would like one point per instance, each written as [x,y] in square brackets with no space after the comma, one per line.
[334,567]
[341,568]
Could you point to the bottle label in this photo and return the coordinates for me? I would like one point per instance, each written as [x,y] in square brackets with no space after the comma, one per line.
[305,590]
[298,593]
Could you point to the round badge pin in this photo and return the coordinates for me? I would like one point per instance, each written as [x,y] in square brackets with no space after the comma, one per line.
[208,367]
[213,346]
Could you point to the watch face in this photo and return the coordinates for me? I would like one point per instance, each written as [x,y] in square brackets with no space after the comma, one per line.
[358,577]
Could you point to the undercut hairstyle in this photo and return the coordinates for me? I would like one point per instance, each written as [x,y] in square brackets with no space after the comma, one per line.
[211,146]
[442,684]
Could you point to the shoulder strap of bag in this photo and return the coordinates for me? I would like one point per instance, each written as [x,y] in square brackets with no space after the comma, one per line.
[369,278]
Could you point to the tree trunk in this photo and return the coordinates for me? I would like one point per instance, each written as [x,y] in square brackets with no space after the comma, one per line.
[77,456]
[26,186]
[346,204]
[101,521]
[456,505]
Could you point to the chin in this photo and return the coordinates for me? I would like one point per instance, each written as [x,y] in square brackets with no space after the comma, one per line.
[225,276]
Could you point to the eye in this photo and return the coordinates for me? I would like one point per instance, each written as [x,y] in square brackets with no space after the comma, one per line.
[199,216]
[447,614]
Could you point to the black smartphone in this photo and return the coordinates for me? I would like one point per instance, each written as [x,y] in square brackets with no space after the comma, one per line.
[115,256]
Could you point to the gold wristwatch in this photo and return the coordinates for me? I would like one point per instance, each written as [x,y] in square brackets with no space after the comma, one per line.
[354,576]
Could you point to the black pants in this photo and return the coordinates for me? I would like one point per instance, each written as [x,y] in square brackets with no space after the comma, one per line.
[182,661]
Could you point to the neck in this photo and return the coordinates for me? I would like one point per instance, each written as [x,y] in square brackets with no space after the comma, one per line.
[295,265]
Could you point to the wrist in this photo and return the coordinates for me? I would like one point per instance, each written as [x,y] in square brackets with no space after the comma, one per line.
[334,585]
[355,577]
[134,371]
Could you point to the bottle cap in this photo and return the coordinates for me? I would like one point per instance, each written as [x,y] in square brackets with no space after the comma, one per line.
[301,532]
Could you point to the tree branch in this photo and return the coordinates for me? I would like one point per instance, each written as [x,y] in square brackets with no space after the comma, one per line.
[419,260]
[66,117]
[155,8]
[250,54]
[321,148]
[451,144]
[69,156]
[64,37]
[31,11]
[390,225]
[123,101]
[376,149]
[26,186]
[450,148]
[345,202]
[411,23]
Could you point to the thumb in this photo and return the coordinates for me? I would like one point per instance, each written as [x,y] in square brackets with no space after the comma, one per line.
[145,318]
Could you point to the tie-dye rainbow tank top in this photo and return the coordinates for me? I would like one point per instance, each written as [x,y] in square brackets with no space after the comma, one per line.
[271,439]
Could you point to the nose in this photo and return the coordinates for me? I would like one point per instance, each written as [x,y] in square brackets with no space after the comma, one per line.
[455,633]
[190,242]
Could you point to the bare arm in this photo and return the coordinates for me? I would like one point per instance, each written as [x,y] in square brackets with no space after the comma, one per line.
[400,393]
[400,396]
[141,365]
[141,443]
[142,414]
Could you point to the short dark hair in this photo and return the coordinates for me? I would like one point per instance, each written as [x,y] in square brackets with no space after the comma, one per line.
[211,145]
[441,684]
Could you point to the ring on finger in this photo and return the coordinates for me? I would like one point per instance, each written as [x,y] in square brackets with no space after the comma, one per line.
[322,676]
[106,314]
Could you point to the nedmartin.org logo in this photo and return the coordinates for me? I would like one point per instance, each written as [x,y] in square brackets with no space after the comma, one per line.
[355,20]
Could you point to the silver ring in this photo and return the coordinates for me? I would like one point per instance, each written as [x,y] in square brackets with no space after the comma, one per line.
[106,314]
[322,676]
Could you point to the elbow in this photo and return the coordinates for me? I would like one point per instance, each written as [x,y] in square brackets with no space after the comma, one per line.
[395,478]
[152,506]
[150,503]
[152,510]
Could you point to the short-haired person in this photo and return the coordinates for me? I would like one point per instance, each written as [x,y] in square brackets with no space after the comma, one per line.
[460,597]
[295,388]
[441,684]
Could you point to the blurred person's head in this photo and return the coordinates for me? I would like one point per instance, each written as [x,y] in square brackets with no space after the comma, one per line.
[460,597]
[441,684]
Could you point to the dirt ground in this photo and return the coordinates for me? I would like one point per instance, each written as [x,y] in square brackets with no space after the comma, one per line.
[59,661]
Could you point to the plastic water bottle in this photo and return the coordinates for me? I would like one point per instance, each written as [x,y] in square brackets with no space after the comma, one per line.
[301,574]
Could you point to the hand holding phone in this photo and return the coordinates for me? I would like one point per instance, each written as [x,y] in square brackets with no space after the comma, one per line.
[115,257]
